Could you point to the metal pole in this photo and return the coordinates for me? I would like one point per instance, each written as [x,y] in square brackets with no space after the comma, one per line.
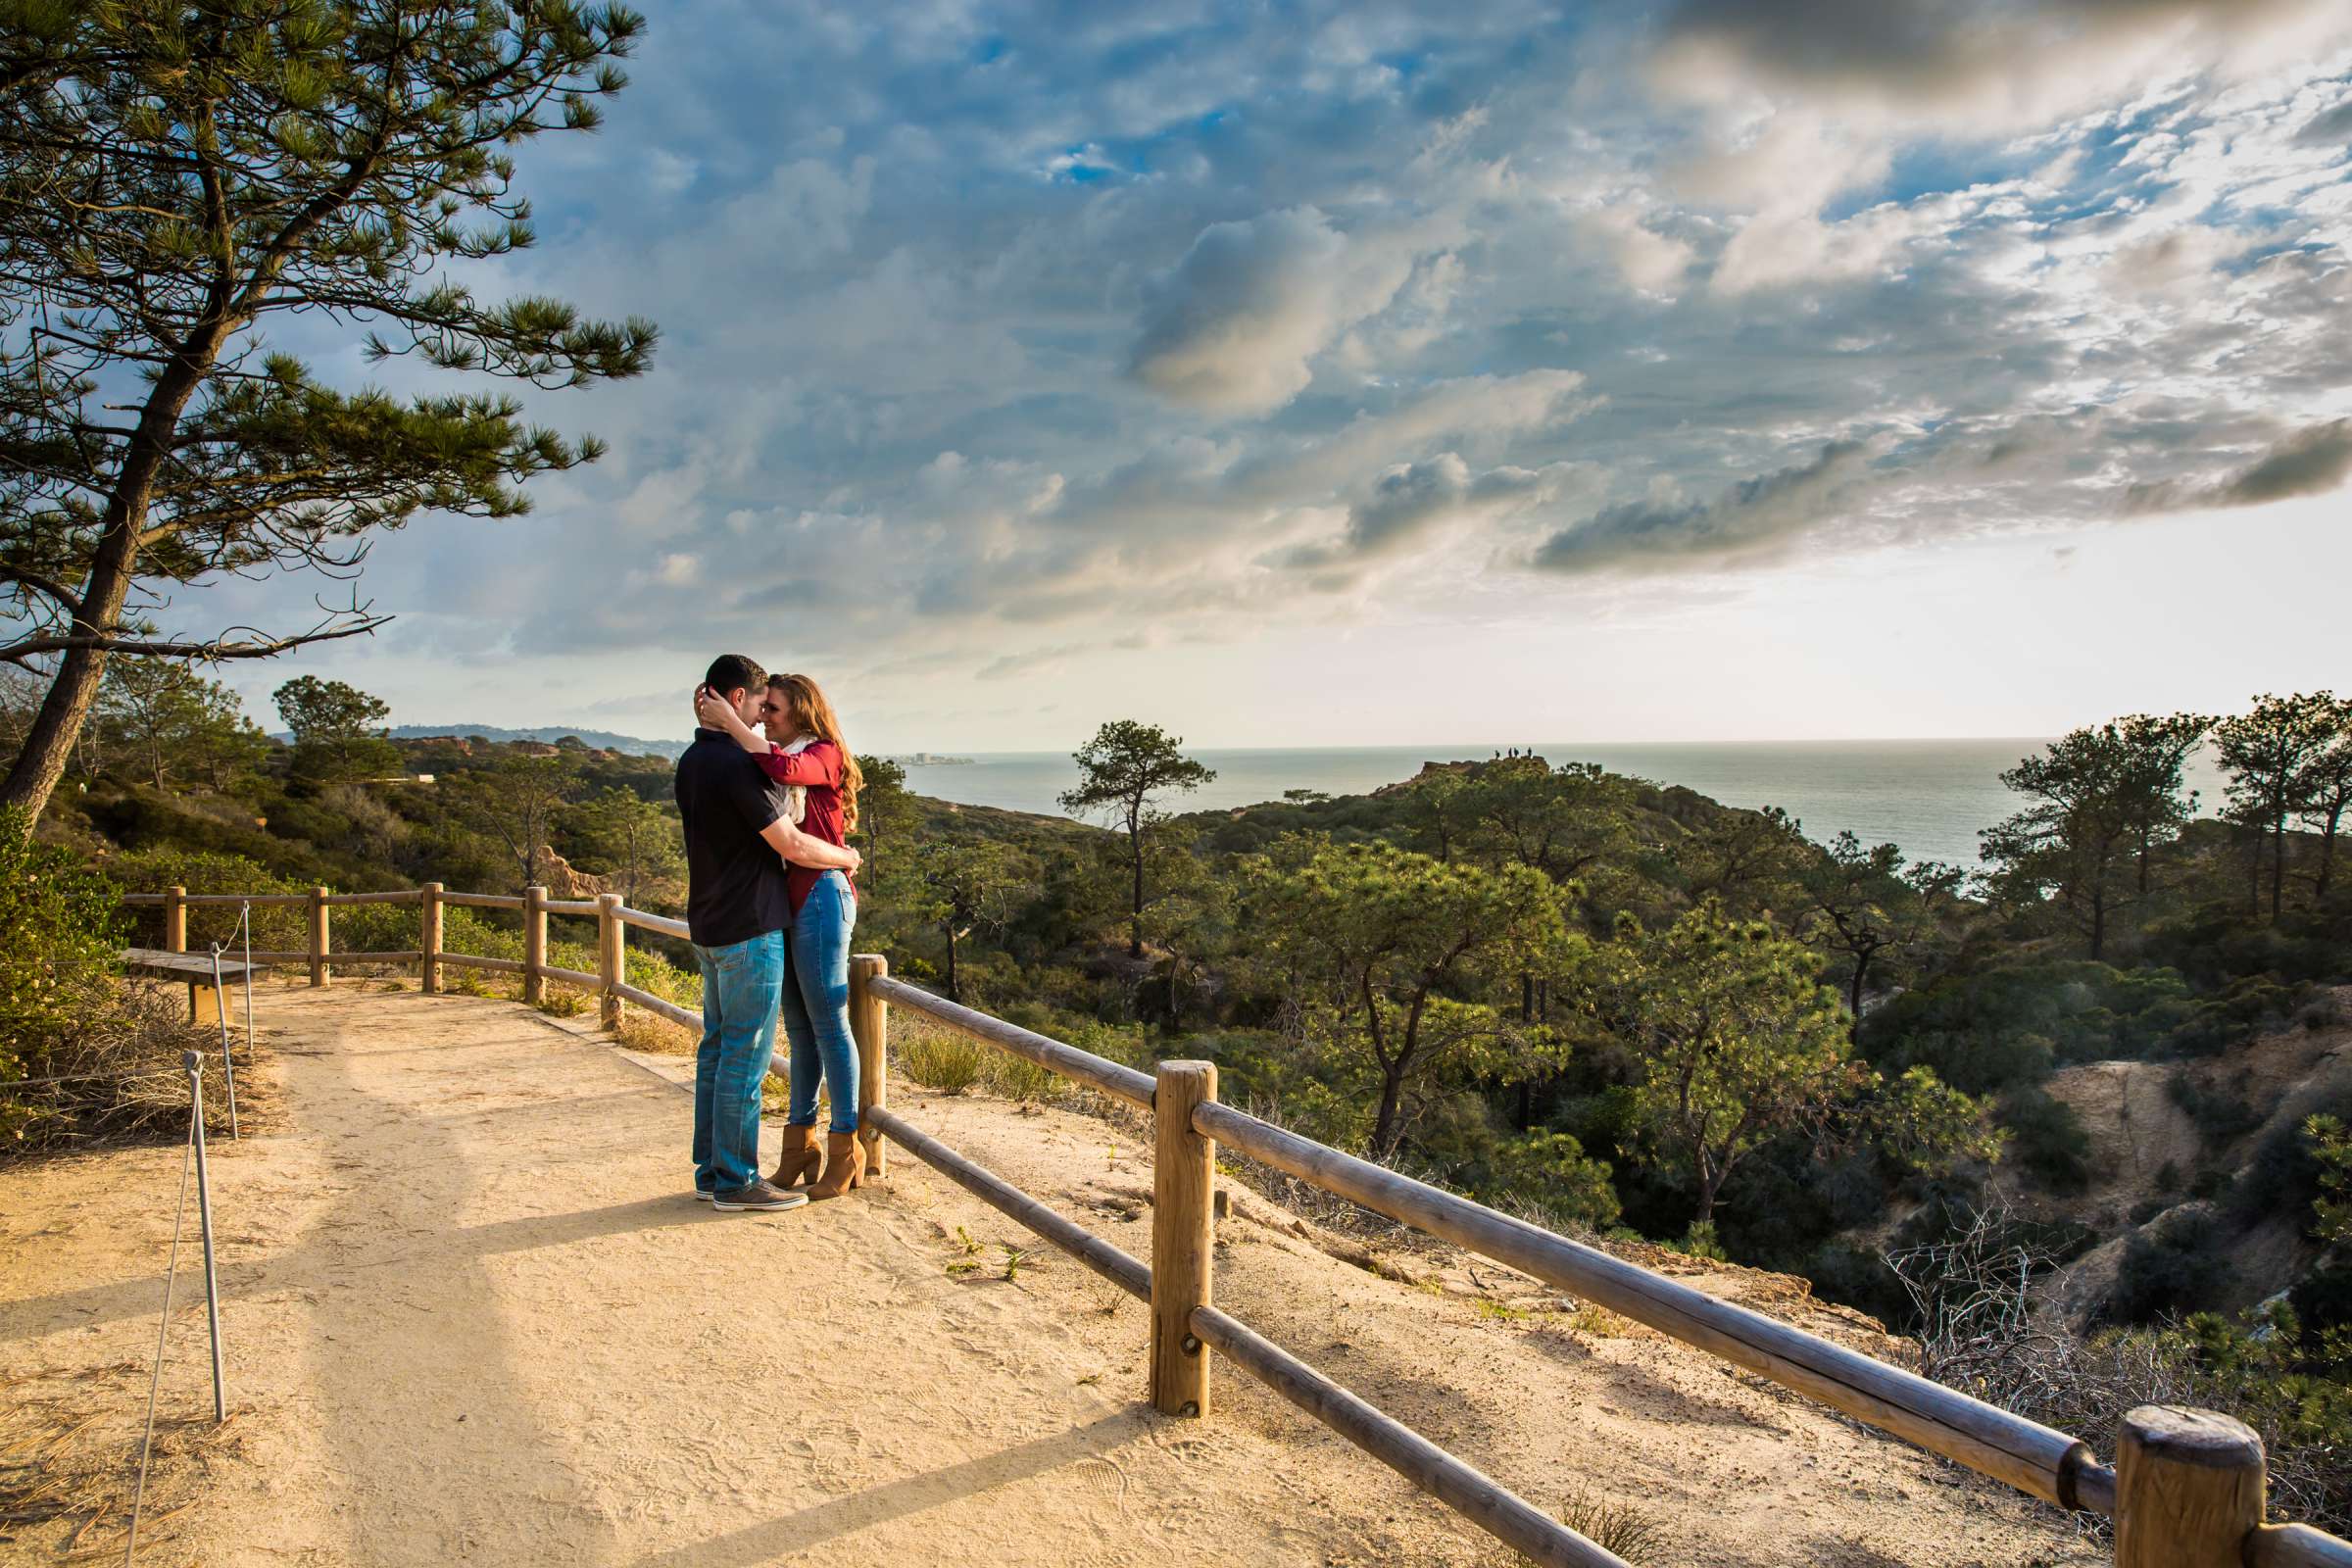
[245,920]
[228,1064]
[194,1062]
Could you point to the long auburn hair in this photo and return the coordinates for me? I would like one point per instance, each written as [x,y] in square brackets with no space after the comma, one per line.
[813,715]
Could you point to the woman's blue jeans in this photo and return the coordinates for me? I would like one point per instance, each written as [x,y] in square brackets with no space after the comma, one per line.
[816,1004]
[739,1036]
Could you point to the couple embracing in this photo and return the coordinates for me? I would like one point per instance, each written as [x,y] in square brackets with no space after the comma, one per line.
[770,903]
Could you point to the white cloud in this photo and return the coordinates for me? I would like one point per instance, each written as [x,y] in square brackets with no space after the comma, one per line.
[1232,327]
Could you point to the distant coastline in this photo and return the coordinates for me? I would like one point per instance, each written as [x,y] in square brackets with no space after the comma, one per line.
[1931,796]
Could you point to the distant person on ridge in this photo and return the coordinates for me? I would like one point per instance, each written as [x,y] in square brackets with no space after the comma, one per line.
[738,839]
[803,752]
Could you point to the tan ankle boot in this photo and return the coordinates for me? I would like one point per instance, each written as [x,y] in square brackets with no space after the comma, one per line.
[801,1158]
[844,1165]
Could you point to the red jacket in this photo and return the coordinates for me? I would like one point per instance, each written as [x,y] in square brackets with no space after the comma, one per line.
[816,767]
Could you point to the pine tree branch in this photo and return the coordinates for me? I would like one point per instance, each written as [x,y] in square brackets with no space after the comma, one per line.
[24,651]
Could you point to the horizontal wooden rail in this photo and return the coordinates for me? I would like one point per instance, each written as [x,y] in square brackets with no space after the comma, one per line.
[2008,1448]
[466,960]
[279,955]
[586,907]
[1130,1274]
[483,901]
[1096,1072]
[256,899]
[410,955]
[571,977]
[2296,1547]
[1462,1487]
[654,923]
[144,898]
[403,895]
[659,1005]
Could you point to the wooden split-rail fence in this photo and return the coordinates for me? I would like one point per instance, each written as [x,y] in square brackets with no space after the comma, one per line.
[2186,1489]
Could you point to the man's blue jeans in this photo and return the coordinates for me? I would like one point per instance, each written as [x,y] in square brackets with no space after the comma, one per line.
[816,1004]
[738,1035]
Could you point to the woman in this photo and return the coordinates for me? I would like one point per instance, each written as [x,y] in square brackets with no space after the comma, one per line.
[805,752]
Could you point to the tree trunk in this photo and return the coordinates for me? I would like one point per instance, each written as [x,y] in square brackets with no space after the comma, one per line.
[2277,865]
[1855,995]
[1134,922]
[2327,853]
[1709,1183]
[2099,925]
[1527,1103]
[1383,1123]
[50,742]
[953,994]
[1526,998]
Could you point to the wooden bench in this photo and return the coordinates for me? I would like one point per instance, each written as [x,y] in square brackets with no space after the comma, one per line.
[196,969]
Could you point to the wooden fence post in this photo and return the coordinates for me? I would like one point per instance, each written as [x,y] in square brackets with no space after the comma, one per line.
[2187,1489]
[869,1026]
[534,945]
[1183,1232]
[428,940]
[175,919]
[611,967]
[319,936]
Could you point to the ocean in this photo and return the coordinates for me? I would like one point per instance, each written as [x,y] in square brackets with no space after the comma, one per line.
[1932,797]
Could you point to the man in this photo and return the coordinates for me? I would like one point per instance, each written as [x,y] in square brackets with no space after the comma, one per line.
[737,840]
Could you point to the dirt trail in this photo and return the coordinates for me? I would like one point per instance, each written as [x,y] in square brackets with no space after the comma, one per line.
[472,1316]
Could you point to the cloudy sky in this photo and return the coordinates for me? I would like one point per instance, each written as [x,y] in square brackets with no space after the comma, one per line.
[1333,373]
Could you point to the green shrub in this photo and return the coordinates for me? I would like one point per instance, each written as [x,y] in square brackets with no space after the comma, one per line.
[937,1057]
[2046,1139]
[60,930]
[1550,1173]
[2172,1267]
[275,927]
[64,1009]
[2220,1115]
[2285,1175]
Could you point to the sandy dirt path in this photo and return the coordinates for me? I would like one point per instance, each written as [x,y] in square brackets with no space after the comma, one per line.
[472,1316]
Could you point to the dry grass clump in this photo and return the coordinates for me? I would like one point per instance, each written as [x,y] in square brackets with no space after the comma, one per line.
[937,1058]
[655,1035]
[69,1465]
[125,1056]
[1623,1527]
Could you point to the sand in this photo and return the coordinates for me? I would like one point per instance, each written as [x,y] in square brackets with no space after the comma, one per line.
[474,1316]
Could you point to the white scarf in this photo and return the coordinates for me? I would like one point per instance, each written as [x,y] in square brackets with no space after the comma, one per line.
[796,796]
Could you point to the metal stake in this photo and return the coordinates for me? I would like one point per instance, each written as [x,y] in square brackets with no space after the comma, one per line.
[228,1064]
[245,920]
[194,1062]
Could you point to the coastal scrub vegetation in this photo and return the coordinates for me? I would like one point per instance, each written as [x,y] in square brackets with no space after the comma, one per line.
[1607,1002]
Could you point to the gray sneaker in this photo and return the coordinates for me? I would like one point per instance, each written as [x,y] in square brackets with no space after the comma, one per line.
[758,1196]
[702,1194]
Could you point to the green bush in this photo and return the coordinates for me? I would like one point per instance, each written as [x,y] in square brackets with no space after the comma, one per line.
[2172,1267]
[2046,1139]
[277,927]
[1550,1173]
[64,1009]
[2285,1175]
[60,930]
[2221,1116]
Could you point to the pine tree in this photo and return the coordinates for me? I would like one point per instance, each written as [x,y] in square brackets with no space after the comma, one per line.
[174,179]
[1120,772]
